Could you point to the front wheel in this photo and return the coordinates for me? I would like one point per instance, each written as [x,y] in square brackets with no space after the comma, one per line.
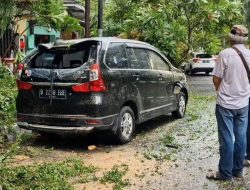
[181,107]
[126,125]
[191,71]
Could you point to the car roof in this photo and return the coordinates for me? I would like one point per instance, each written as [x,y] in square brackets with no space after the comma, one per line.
[106,39]
[61,43]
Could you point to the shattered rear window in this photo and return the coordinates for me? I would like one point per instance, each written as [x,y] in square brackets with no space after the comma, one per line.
[64,57]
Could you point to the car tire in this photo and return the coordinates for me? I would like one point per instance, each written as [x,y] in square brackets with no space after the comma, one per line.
[126,125]
[186,71]
[181,106]
[191,71]
[207,73]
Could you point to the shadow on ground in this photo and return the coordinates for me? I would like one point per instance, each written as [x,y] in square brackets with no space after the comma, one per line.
[103,139]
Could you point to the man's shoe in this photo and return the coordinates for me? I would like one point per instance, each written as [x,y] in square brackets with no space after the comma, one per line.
[246,163]
[215,175]
[239,176]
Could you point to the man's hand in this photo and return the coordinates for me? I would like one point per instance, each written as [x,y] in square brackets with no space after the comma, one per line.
[216,81]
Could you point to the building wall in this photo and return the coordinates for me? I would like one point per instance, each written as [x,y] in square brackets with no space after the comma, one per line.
[41,31]
[22,25]
[30,37]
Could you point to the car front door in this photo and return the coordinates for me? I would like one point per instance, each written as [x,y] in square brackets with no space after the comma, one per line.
[144,78]
[165,85]
[141,74]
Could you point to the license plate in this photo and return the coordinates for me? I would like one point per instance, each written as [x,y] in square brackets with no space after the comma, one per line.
[205,61]
[56,94]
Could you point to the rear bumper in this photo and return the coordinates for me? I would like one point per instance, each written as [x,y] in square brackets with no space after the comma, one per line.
[65,123]
[202,69]
[54,129]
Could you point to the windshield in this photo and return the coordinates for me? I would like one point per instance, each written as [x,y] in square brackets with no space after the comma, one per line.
[64,57]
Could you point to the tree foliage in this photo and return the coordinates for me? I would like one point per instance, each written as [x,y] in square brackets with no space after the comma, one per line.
[177,27]
[7,98]
[7,11]
[247,12]
[48,13]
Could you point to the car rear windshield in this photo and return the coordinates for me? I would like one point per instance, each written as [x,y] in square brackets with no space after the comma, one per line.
[64,57]
[204,56]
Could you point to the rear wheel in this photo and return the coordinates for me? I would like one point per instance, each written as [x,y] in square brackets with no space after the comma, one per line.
[126,125]
[181,106]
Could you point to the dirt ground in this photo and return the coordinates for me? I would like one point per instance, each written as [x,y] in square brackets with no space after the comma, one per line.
[166,154]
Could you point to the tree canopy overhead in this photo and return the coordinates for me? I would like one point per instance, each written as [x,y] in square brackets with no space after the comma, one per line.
[177,27]
[48,13]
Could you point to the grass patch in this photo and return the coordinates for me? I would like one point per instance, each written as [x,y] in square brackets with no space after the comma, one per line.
[197,106]
[167,139]
[51,176]
[159,154]
[9,152]
[10,149]
[192,128]
[115,176]
[88,178]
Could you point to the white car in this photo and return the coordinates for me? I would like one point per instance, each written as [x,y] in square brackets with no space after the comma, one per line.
[201,62]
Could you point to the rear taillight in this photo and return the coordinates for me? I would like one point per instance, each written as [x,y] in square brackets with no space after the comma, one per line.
[20,68]
[196,60]
[23,85]
[95,84]
[84,87]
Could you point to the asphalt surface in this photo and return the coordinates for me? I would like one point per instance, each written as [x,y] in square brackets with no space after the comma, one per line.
[201,84]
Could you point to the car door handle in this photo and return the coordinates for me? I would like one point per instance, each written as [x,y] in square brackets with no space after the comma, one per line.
[160,76]
[136,76]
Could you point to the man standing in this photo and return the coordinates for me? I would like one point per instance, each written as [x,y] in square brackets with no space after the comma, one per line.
[231,82]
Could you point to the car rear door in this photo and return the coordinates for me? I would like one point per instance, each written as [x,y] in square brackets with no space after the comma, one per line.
[129,75]
[54,76]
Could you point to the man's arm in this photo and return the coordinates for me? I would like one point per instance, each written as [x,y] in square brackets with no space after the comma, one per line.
[216,81]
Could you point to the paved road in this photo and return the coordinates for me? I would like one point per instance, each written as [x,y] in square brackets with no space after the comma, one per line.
[201,84]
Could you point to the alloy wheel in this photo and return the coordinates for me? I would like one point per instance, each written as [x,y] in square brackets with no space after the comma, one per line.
[182,105]
[127,125]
